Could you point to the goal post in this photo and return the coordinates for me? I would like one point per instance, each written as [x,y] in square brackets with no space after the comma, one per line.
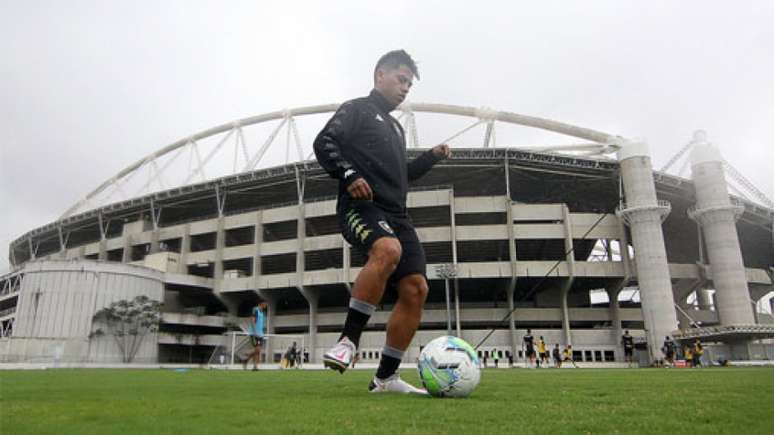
[236,346]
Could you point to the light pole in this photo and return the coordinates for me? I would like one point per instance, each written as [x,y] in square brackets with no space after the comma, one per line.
[447,271]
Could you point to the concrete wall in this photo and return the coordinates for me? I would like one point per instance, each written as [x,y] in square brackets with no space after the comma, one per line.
[58,300]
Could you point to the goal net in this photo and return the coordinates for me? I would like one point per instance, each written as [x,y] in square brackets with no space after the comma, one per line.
[237,346]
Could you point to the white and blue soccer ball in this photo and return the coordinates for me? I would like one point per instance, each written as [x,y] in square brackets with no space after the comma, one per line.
[449,367]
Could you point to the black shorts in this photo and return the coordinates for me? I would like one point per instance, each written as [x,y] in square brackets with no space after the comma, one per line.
[362,223]
[628,351]
[530,351]
[257,341]
[543,355]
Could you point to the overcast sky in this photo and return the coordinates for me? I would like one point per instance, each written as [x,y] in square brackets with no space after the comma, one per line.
[88,87]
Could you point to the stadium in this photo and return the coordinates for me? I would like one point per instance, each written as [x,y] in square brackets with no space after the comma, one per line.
[580,242]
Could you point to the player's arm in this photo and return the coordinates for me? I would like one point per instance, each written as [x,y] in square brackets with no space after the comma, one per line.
[419,166]
[328,148]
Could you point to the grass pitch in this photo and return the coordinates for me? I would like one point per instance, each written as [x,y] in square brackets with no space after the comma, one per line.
[726,400]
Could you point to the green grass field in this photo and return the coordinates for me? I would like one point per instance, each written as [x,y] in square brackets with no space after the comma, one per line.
[727,400]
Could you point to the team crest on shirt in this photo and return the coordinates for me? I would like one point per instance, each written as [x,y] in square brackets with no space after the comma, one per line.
[379,118]
[386,227]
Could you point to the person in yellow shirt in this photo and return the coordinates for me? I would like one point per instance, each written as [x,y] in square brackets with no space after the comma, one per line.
[698,351]
[688,354]
[568,355]
[542,352]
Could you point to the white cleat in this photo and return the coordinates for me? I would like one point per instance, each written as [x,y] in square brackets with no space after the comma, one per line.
[339,357]
[394,384]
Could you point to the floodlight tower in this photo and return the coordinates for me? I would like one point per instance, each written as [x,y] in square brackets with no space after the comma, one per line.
[644,214]
[717,217]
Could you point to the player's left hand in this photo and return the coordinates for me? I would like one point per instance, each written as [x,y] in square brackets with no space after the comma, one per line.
[442,151]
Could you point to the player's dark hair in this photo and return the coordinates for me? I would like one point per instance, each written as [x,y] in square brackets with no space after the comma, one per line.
[395,59]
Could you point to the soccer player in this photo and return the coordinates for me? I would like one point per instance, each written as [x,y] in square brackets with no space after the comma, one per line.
[698,351]
[557,354]
[669,351]
[568,355]
[628,344]
[529,345]
[542,352]
[364,148]
[257,334]
[688,355]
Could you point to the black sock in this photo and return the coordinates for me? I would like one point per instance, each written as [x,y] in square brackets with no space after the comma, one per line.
[357,317]
[389,362]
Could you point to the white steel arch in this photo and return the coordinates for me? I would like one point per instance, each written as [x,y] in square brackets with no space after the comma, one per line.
[158,164]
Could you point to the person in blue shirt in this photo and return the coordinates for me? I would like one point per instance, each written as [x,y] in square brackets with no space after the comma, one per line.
[257,333]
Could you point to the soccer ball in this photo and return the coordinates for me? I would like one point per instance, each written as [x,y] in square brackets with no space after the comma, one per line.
[449,367]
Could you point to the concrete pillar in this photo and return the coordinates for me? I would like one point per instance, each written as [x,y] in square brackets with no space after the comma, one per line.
[567,285]
[12,257]
[717,217]
[62,244]
[127,254]
[346,265]
[515,343]
[154,243]
[615,317]
[312,298]
[453,236]
[185,249]
[33,252]
[220,243]
[644,214]
[257,242]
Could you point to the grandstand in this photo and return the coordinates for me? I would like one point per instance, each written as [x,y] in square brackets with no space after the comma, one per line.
[580,242]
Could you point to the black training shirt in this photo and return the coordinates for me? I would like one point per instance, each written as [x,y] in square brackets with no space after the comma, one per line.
[362,140]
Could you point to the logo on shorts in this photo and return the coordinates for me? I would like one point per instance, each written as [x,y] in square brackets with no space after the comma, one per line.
[386,227]
[379,118]
[357,226]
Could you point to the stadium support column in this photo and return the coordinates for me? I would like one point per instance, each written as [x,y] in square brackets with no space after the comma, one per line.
[62,243]
[127,254]
[185,249]
[155,216]
[615,315]
[32,250]
[614,290]
[220,238]
[511,255]
[644,213]
[257,242]
[102,256]
[567,285]
[346,265]
[312,296]
[453,231]
[220,243]
[717,217]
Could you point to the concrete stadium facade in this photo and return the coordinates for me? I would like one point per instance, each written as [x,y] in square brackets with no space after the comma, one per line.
[506,229]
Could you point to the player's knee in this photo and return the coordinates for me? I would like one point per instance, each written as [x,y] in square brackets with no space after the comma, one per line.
[415,290]
[386,253]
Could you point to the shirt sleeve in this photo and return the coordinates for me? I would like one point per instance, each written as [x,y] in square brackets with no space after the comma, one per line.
[419,166]
[334,137]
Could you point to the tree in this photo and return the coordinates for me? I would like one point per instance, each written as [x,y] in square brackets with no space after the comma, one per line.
[128,322]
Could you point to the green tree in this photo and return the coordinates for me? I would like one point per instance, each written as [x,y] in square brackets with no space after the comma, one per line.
[128,321]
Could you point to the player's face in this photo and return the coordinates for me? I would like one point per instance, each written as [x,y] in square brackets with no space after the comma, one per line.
[394,83]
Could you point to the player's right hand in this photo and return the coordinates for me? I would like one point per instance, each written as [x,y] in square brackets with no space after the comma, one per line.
[359,189]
